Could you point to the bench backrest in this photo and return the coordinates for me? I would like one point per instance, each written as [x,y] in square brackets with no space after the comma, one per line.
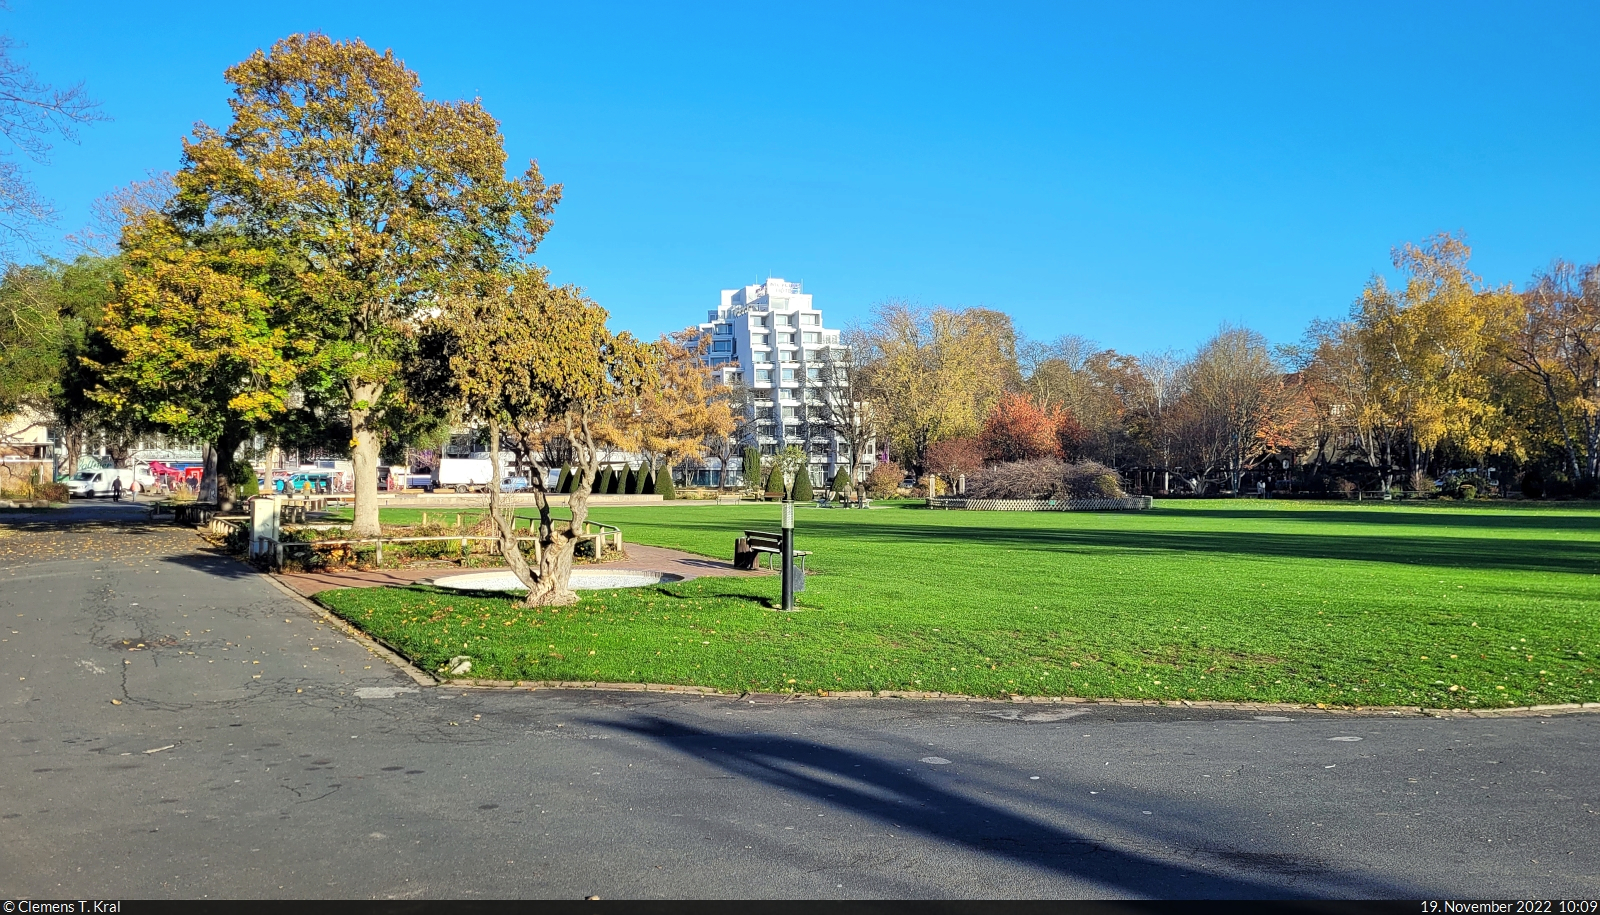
[762,539]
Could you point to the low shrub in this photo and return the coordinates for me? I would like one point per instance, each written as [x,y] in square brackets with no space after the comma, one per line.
[1046,478]
[884,481]
[1466,492]
[52,492]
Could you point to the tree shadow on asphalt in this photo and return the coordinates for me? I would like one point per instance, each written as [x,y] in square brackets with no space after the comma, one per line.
[890,793]
[69,521]
[214,562]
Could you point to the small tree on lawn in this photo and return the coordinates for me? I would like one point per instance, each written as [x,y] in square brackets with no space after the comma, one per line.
[564,485]
[603,485]
[802,486]
[540,360]
[752,467]
[955,458]
[775,482]
[664,487]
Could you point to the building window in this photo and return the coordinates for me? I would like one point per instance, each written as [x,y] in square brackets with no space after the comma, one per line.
[763,374]
[769,449]
[811,336]
[724,329]
[787,337]
[762,357]
[788,412]
[783,320]
[722,346]
[788,374]
[813,355]
[779,302]
[819,449]
[813,374]
[735,377]
[759,338]
[787,355]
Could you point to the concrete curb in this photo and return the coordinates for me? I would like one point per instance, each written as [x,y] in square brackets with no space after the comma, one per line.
[1353,711]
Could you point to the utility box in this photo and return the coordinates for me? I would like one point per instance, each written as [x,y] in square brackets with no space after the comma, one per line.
[264,525]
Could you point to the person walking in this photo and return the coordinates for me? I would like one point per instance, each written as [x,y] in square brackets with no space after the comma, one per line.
[116,490]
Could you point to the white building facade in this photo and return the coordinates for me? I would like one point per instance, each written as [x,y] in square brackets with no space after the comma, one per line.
[770,338]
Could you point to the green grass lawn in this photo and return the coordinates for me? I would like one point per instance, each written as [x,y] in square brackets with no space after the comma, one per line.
[1437,605]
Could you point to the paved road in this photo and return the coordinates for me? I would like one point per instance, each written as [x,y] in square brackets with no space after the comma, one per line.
[174,726]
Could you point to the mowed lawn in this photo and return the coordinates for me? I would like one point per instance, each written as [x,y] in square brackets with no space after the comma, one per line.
[1435,605]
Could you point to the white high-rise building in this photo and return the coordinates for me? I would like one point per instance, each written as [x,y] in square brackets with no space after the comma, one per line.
[769,338]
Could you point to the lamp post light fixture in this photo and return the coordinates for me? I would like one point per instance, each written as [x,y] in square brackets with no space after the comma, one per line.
[789,463]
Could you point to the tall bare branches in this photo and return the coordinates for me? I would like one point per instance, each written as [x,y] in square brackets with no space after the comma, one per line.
[34,115]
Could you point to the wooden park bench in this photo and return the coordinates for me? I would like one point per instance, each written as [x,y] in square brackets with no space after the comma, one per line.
[772,545]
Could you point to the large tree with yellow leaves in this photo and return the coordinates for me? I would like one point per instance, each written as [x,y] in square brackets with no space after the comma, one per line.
[388,201]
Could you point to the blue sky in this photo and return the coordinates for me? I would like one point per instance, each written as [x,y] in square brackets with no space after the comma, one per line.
[1136,173]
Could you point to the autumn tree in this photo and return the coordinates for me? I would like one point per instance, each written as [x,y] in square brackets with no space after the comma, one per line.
[935,373]
[843,403]
[1556,345]
[389,201]
[1238,406]
[955,458]
[538,360]
[1018,430]
[680,411]
[1432,350]
[198,343]
[739,402]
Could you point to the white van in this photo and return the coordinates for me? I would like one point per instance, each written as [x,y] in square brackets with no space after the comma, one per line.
[91,483]
[463,474]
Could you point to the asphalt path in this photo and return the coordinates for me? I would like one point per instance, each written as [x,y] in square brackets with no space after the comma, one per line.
[174,725]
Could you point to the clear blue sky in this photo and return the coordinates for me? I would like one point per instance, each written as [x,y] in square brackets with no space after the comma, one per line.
[1137,173]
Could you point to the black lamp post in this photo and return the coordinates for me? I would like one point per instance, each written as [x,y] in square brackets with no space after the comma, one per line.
[788,534]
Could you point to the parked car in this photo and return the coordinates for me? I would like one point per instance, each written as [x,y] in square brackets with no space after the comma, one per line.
[88,484]
[513,484]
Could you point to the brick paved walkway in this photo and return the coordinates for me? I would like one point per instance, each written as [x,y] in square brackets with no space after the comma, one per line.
[640,558]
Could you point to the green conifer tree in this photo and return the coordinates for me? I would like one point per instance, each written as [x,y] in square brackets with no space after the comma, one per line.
[841,482]
[663,484]
[565,483]
[602,484]
[775,483]
[752,467]
[802,486]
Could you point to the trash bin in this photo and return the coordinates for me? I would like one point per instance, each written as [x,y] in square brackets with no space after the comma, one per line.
[744,558]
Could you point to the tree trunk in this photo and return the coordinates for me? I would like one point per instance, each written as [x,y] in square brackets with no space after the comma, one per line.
[208,474]
[364,458]
[219,482]
[505,522]
[552,589]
